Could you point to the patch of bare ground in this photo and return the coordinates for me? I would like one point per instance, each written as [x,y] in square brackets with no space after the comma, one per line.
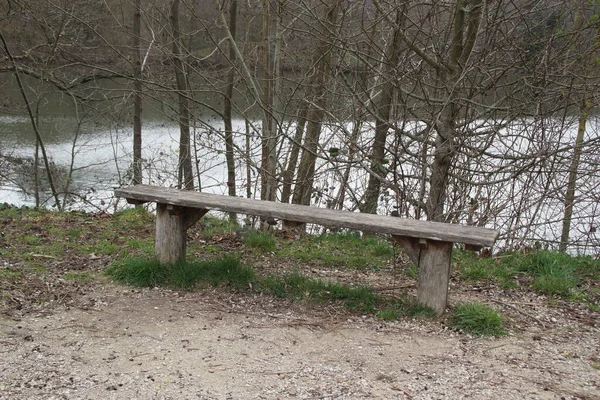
[91,339]
[112,342]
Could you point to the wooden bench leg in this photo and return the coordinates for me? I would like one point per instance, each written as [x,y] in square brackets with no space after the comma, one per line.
[172,223]
[432,259]
[434,275]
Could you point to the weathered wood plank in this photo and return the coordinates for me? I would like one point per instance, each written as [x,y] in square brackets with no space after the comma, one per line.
[172,224]
[411,247]
[471,235]
[434,275]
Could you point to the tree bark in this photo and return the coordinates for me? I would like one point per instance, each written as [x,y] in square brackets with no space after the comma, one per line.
[137,94]
[268,169]
[464,35]
[227,105]
[288,174]
[572,182]
[185,175]
[383,110]
[316,112]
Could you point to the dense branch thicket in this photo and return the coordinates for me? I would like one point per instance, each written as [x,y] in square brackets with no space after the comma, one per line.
[466,111]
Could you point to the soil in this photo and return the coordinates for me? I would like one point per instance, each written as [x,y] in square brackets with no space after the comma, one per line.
[112,342]
[73,339]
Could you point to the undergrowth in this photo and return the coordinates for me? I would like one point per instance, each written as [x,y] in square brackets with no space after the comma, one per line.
[341,249]
[547,272]
[477,319]
[40,243]
[225,271]
[229,272]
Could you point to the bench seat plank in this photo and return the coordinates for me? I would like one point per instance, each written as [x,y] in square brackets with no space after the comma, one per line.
[470,235]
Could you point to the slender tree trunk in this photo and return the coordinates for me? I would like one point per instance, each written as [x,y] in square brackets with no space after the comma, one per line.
[464,35]
[362,82]
[137,94]
[383,110]
[268,168]
[248,160]
[322,62]
[227,105]
[185,175]
[572,183]
[34,124]
[288,174]
[36,173]
[442,161]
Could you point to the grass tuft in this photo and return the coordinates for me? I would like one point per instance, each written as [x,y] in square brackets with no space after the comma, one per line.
[477,319]
[341,249]
[226,271]
[299,287]
[138,272]
[212,226]
[260,240]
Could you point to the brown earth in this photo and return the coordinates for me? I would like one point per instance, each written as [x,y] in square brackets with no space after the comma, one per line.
[67,339]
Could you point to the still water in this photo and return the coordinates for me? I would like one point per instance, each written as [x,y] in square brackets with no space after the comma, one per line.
[101,155]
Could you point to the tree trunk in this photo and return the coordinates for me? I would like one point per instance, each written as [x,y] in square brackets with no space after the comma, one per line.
[322,62]
[185,175]
[38,135]
[288,174]
[572,183]
[227,105]
[383,110]
[137,94]
[464,35]
[268,168]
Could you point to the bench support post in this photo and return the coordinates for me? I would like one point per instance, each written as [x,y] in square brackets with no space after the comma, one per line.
[434,275]
[432,259]
[172,223]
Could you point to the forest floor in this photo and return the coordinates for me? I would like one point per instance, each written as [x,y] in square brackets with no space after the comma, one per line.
[68,332]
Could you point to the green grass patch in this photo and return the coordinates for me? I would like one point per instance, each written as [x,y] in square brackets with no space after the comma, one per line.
[230,272]
[553,273]
[212,226]
[260,240]
[477,319]
[404,306]
[299,287]
[226,271]
[138,272]
[547,272]
[31,239]
[346,249]
[9,272]
[134,216]
[74,233]
[411,271]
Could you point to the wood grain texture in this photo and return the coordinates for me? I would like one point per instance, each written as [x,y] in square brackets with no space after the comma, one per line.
[434,275]
[411,247]
[172,224]
[171,237]
[334,218]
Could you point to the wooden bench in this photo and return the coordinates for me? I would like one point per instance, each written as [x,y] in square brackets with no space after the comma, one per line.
[428,244]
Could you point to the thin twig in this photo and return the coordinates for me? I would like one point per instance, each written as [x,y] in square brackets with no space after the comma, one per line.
[389,288]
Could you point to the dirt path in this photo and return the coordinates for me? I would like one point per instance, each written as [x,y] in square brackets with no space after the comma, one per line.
[157,344]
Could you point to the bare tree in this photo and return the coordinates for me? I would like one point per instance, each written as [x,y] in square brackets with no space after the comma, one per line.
[382,114]
[322,59]
[137,93]
[186,175]
[227,108]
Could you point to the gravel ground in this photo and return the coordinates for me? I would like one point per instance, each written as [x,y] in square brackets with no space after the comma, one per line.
[118,343]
